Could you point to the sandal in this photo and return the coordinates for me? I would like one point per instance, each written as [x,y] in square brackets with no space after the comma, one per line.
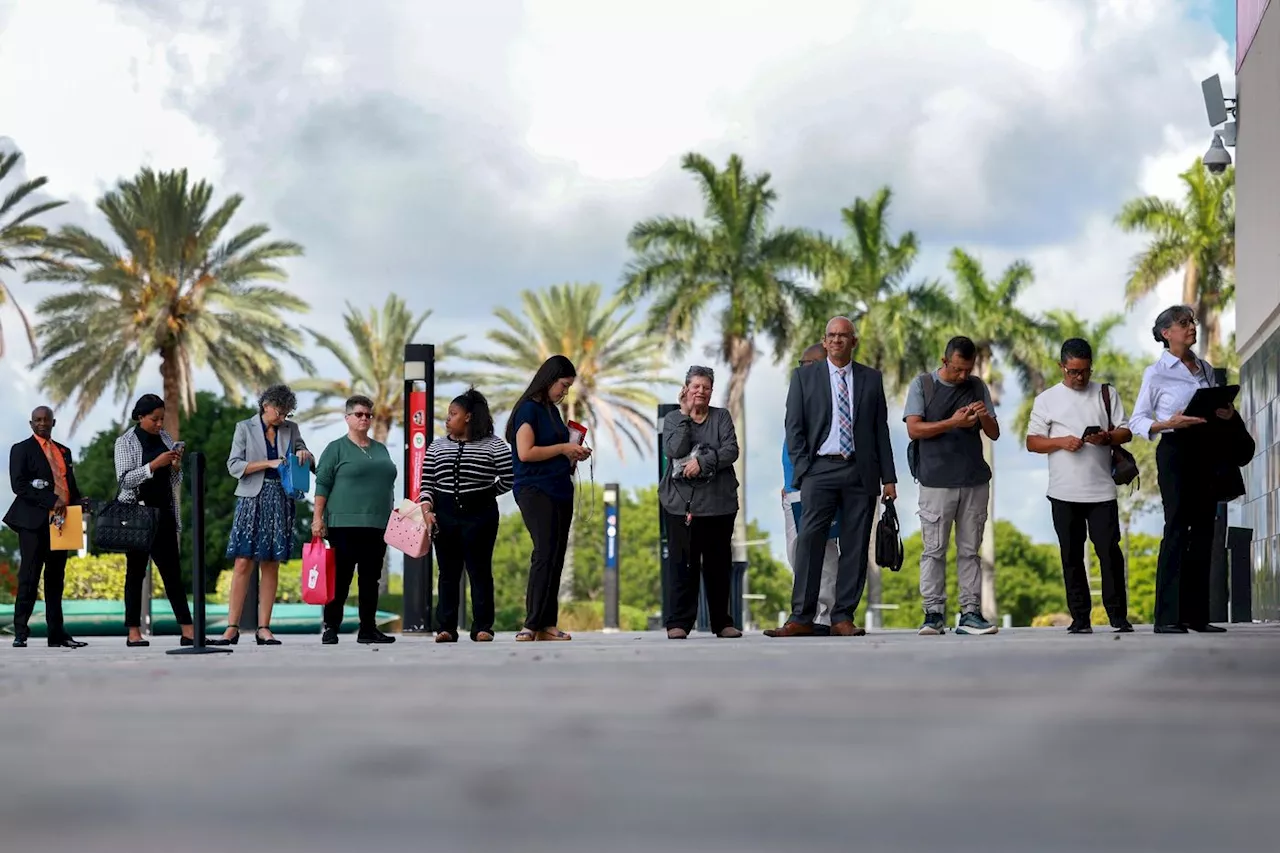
[553,634]
[525,636]
[482,637]
[446,637]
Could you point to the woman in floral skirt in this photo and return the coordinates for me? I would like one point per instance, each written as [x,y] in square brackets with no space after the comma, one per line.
[262,531]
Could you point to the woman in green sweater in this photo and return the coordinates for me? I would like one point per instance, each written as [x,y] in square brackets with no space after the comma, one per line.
[355,487]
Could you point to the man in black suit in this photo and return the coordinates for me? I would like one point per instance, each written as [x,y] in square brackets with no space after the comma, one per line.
[838,440]
[44,485]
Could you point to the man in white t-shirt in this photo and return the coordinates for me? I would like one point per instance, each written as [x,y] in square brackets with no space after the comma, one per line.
[1070,424]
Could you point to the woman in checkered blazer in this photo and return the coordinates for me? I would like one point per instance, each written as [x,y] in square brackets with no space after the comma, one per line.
[149,471]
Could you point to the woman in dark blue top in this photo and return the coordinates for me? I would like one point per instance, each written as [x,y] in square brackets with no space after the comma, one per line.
[543,460]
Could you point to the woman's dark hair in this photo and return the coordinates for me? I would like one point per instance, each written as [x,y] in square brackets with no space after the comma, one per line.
[280,397]
[552,371]
[473,403]
[1166,319]
[146,404]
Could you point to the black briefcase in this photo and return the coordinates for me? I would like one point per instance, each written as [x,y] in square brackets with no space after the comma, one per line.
[889,554]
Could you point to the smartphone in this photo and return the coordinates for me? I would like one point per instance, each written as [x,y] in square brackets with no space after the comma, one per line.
[179,446]
[1088,431]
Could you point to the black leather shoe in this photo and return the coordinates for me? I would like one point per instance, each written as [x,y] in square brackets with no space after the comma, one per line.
[225,641]
[1123,628]
[1170,629]
[67,642]
[374,637]
[19,641]
[1207,629]
[330,636]
[137,644]
[1080,628]
[265,641]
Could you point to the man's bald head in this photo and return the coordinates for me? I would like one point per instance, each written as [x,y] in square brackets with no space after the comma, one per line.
[42,421]
[840,340]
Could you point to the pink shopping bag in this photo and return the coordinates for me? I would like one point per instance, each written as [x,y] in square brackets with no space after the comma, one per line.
[319,566]
[408,532]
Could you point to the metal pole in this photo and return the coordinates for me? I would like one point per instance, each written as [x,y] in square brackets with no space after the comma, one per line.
[419,408]
[198,647]
[249,613]
[611,548]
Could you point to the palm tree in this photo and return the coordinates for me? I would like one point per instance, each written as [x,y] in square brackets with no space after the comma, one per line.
[988,313]
[863,276]
[619,363]
[1198,237]
[732,260]
[176,286]
[376,369]
[19,237]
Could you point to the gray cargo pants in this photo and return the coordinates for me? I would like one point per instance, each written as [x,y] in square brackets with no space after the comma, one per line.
[939,509]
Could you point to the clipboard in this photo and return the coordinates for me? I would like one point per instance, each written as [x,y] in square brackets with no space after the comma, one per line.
[1206,401]
[69,537]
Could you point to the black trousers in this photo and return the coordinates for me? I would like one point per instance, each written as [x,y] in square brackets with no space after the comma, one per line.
[700,551]
[548,522]
[1182,573]
[829,486]
[164,554]
[1100,522]
[468,529]
[356,548]
[33,545]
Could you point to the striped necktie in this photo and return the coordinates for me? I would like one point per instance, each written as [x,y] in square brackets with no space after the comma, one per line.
[846,415]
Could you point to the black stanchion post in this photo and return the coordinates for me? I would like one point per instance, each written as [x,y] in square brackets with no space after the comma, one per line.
[612,544]
[196,479]
[419,406]
[249,614]
[1240,547]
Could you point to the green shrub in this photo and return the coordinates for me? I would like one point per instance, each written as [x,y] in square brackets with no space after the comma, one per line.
[288,591]
[100,578]
[1051,620]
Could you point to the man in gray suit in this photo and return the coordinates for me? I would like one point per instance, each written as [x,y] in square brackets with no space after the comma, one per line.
[838,440]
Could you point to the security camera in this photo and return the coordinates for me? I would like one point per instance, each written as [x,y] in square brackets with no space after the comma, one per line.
[1217,158]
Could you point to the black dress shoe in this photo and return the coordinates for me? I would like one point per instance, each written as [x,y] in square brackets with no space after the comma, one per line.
[1080,628]
[330,636]
[1170,629]
[19,641]
[1123,628]
[137,644]
[374,637]
[67,642]
[265,641]
[1207,629]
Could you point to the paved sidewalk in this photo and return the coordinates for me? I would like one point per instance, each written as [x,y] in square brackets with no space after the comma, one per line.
[1032,741]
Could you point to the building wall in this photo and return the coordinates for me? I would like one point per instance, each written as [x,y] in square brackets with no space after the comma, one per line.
[1258,300]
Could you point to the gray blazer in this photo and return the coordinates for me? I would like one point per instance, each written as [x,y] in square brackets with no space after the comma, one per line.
[809,420]
[250,445]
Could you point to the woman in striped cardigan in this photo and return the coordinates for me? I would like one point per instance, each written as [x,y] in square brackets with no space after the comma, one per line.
[463,473]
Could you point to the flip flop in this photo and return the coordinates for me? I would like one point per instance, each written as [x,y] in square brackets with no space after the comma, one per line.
[525,636]
[549,636]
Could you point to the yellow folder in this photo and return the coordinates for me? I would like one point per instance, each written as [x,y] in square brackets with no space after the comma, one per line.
[69,537]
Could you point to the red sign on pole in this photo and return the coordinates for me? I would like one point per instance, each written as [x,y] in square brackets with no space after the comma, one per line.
[417,440]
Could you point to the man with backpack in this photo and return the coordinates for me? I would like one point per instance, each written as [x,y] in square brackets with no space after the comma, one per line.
[947,413]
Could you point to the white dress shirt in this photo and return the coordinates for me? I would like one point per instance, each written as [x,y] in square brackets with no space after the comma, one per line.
[831,447]
[1167,388]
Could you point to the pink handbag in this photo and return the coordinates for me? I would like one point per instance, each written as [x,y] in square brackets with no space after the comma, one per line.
[408,532]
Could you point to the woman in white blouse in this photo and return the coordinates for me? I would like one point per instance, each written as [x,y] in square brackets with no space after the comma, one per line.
[1186,457]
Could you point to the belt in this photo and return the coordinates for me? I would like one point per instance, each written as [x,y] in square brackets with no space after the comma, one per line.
[837,457]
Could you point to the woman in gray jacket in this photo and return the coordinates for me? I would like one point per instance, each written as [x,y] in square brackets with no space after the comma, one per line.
[699,494]
[262,531]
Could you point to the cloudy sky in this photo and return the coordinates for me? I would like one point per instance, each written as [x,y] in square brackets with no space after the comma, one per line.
[457,154]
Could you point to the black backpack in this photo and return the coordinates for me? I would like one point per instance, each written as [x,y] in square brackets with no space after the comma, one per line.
[913,447]
[889,539]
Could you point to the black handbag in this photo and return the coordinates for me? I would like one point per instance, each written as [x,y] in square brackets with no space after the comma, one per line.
[1124,468]
[889,552]
[121,527]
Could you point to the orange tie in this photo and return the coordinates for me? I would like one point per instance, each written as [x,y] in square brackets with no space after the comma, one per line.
[59,476]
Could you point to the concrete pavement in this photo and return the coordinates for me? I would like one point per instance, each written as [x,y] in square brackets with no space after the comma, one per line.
[1031,740]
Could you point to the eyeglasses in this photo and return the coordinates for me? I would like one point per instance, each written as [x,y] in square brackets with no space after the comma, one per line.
[364,416]
[1077,374]
[1187,322]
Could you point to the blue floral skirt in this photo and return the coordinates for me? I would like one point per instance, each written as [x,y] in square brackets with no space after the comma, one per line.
[263,525]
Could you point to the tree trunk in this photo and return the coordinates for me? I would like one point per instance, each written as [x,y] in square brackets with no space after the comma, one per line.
[170,375]
[740,353]
[987,554]
[1191,285]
